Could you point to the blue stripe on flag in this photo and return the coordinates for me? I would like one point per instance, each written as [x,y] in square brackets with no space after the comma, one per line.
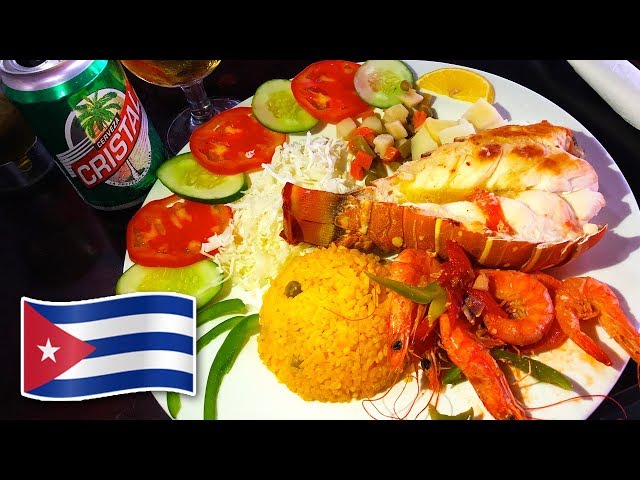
[115,382]
[141,341]
[115,307]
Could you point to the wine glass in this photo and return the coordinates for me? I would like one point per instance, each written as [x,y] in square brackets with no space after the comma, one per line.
[188,75]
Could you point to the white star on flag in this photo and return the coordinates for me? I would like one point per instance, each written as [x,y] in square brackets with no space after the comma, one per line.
[48,351]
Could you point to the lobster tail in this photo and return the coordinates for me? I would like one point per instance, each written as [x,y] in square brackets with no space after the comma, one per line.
[308,215]
[355,220]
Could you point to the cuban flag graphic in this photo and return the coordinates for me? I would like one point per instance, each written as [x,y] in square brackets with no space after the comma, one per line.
[107,346]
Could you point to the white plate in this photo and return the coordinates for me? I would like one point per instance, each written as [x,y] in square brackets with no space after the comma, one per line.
[251,391]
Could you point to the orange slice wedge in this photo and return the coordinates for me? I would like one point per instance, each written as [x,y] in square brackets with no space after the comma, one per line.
[457,83]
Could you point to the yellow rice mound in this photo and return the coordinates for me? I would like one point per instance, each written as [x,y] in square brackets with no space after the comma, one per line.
[328,343]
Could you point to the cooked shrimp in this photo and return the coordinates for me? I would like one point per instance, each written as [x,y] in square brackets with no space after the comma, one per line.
[424,346]
[480,368]
[406,268]
[555,336]
[528,306]
[551,340]
[552,283]
[413,267]
[584,298]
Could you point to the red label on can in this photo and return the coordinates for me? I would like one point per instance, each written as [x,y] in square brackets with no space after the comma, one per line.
[99,148]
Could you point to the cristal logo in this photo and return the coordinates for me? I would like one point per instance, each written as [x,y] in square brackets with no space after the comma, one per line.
[103,132]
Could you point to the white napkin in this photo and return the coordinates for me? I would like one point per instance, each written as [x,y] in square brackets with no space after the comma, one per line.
[617,82]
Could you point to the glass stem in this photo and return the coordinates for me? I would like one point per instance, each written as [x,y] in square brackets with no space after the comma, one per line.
[199,104]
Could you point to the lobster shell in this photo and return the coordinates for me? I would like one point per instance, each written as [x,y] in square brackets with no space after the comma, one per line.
[356,221]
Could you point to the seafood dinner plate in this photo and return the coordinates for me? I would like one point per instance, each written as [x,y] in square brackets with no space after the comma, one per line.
[252,391]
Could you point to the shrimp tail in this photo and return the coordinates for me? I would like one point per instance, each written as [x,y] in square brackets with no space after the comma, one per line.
[585,298]
[480,368]
[572,306]
[613,319]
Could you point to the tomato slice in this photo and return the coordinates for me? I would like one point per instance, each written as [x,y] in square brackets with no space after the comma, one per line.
[325,90]
[169,232]
[234,141]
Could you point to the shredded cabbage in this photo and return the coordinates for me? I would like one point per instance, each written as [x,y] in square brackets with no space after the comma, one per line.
[218,240]
[255,253]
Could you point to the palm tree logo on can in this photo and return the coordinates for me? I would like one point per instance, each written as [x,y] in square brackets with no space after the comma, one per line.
[107,139]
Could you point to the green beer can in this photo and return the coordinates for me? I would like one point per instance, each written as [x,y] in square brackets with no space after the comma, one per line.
[89,118]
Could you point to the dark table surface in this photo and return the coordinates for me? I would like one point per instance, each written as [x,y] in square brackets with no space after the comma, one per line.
[54,247]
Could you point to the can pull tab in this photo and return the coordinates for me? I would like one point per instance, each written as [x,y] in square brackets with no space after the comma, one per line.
[30,63]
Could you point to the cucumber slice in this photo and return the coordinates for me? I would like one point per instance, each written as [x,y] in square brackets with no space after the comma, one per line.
[275,107]
[378,81]
[184,176]
[203,280]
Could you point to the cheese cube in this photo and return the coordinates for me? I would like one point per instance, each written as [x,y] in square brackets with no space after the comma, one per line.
[436,125]
[396,129]
[345,127]
[461,130]
[483,115]
[382,142]
[422,143]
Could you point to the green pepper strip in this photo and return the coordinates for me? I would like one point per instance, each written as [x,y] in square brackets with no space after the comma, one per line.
[173,399]
[438,305]
[361,144]
[436,415]
[224,360]
[433,293]
[421,295]
[454,376]
[174,403]
[215,332]
[219,309]
[538,370]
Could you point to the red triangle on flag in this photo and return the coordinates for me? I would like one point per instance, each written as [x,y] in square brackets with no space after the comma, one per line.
[38,365]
